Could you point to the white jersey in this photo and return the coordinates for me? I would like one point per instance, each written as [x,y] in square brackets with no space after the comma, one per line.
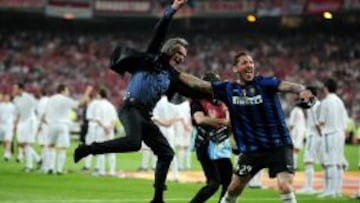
[90,112]
[7,113]
[104,111]
[25,106]
[312,120]
[164,110]
[58,109]
[333,114]
[297,119]
[41,107]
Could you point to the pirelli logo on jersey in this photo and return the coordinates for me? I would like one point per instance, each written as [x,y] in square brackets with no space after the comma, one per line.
[243,100]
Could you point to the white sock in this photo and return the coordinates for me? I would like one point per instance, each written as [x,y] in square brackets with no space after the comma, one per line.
[20,155]
[309,176]
[28,157]
[227,198]
[7,154]
[288,198]
[175,169]
[35,155]
[51,159]
[112,163]
[88,160]
[181,158]
[100,163]
[339,180]
[61,161]
[45,159]
[145,158]
[331,177]
[154,160]
[295,155]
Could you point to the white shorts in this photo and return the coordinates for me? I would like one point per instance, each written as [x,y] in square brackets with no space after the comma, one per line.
[182,136]
[169,135]
[7,131]
[90,135]
[330,148]
[312,149]
[298,138]
[59,135]
[43,137]
[25,131]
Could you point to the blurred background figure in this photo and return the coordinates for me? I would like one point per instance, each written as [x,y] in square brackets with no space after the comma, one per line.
[42,132]
[165,115]
[7,118]
[297,131]
[25,125]
[312,151]
[332,120]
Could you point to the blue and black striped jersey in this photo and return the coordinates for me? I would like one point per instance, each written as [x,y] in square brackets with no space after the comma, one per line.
[257,118]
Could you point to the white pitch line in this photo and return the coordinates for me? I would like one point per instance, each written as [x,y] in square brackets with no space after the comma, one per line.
[144,200]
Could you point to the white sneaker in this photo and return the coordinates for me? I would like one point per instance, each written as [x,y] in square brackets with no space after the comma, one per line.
[306,191]
[327,195]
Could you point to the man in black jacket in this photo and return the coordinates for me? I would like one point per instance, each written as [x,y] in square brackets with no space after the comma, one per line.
[147,85]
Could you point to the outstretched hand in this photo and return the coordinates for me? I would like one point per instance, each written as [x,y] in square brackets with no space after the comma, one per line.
[178,4]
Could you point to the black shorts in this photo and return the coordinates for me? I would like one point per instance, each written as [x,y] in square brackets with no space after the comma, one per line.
[276,160]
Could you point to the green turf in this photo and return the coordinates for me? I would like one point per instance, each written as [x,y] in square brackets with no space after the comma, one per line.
[76,187]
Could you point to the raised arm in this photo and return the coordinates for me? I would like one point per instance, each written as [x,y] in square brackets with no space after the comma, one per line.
[162,26]
[196,83]
[295,88]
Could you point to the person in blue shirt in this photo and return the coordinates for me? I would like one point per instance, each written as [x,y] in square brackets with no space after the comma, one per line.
[258,124]
[213,152]
[148,83]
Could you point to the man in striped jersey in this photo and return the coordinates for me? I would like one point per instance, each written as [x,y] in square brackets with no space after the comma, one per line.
[258,124]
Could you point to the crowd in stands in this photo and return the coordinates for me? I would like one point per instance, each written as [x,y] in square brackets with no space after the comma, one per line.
[46,59]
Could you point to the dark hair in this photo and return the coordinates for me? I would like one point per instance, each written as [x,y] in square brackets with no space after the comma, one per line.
[102,92]
[61,88]
[313,90]
[331,85]
[20,85]
[211,77]
[238,55]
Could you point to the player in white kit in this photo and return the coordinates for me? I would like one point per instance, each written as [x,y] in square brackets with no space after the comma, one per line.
[25,124]
[313,143]
[165,116]
[42,133]
[105,116]
[297,131]
[91,131]
[332,119]
[7,117]
[57,117]
[183,132]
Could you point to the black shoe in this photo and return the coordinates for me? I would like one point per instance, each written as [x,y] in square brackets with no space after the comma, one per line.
[80,152]
[153,201]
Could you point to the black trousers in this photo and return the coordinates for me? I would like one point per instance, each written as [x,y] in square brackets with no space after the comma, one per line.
[139,127]
[217,172]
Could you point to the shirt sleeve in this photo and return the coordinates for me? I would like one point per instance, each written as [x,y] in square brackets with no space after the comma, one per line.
[160,30]
[219,90]
[270,83]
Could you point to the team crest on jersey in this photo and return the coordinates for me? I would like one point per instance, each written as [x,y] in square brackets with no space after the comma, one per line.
[252,91]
